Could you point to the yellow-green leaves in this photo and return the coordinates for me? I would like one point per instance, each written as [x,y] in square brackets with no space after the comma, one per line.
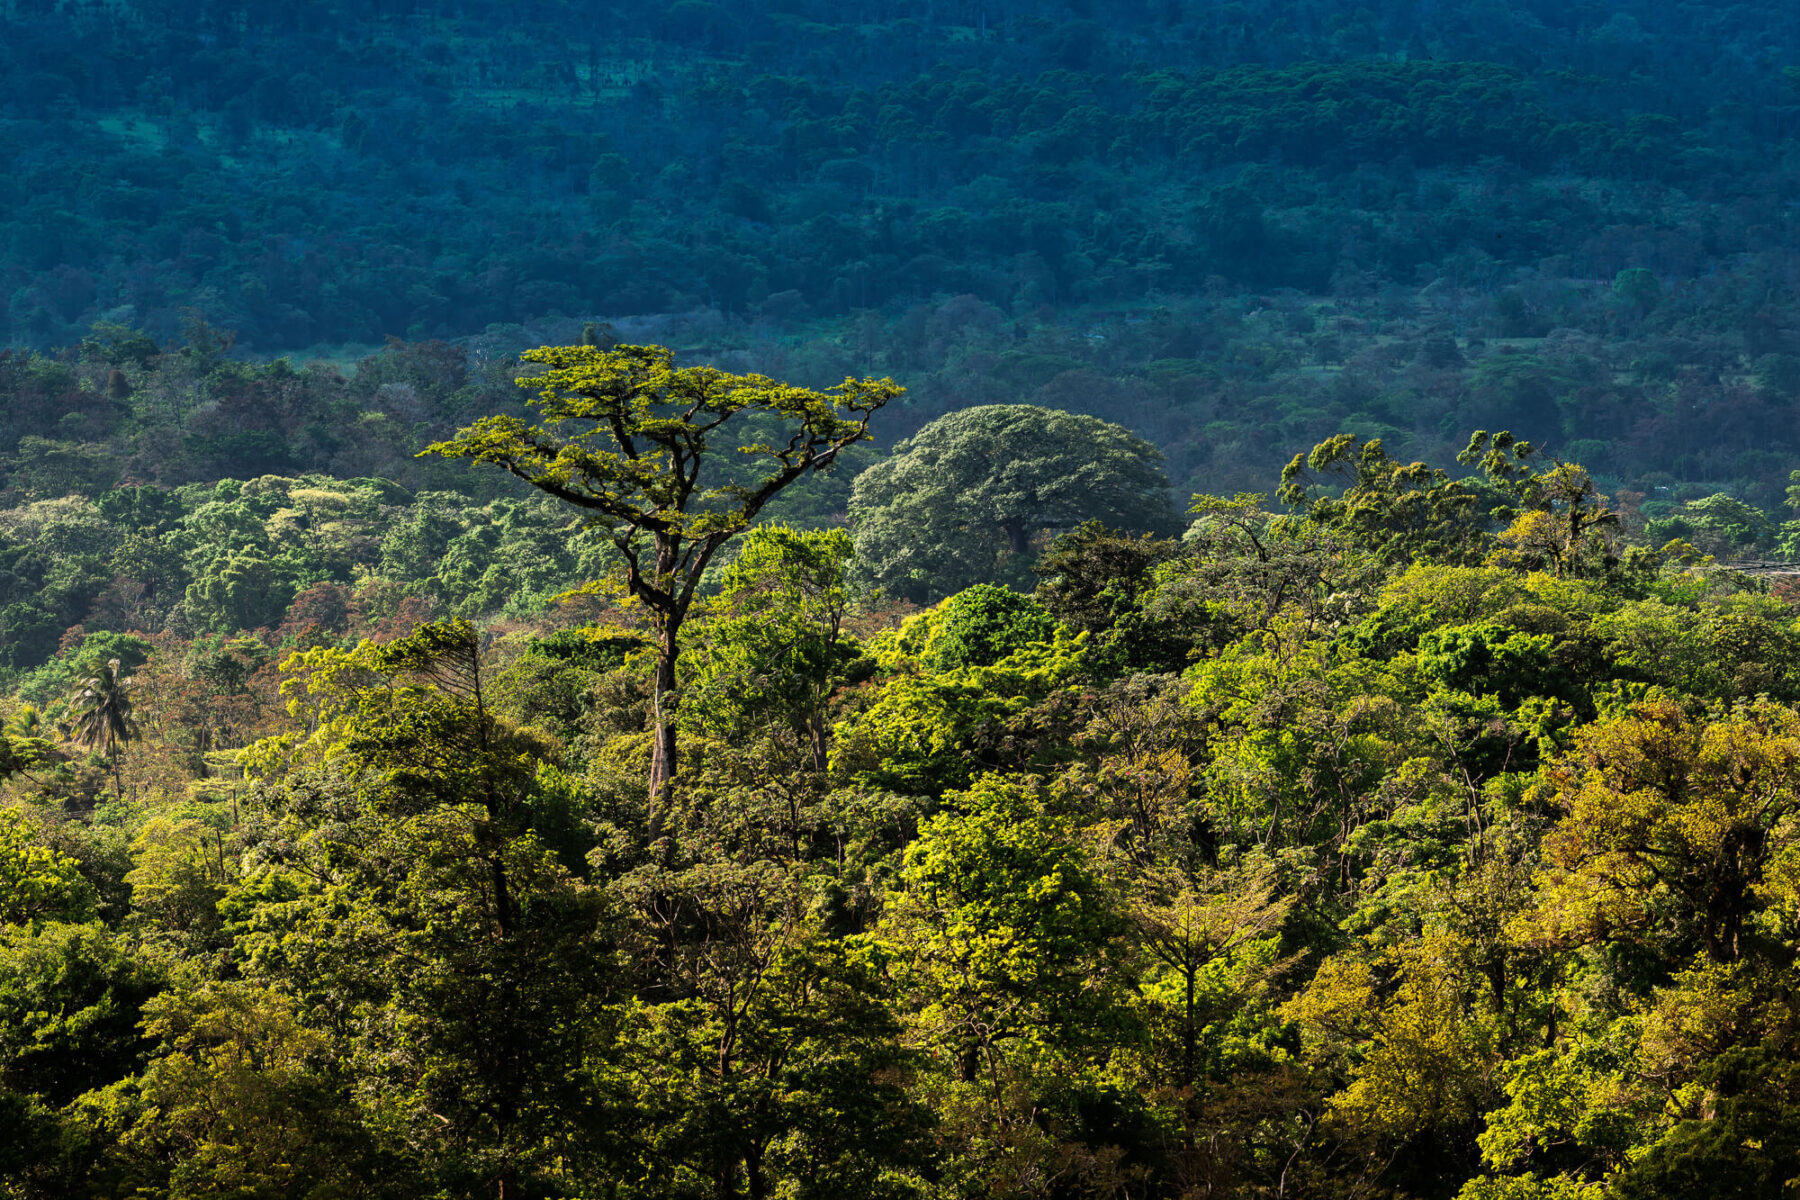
[926,732]
[36,881]
[1418,1053]
[1672,821]
[628,436]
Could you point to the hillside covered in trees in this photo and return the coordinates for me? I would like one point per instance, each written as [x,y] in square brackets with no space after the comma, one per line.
[1040,599]
[1400,832]
[1235,228]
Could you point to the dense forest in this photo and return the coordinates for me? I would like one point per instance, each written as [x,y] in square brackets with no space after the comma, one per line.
[903,598]
[1400,832]
[1237,229]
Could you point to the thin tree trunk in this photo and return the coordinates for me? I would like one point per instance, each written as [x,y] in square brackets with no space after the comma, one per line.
[753,1172]
[1189,1055]
[663,760]
[820,735]
[503,905]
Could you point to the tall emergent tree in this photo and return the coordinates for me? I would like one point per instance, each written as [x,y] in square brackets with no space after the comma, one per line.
[975,495]
[629,437]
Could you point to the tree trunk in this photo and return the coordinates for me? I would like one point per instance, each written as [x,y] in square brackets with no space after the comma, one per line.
[819,734]
[1189,1040]
[968,1064]
[503,905]
[662,750]
[753,1172]
[1018,536]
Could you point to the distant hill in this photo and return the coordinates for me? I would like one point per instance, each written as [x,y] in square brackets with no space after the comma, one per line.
[306,174]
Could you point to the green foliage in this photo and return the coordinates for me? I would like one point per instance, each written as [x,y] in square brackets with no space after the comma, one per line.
[983,624]
[624,438]
[421,799]
[1429,839]
[412,717]
[1244,569]
[780,1058]
[1736,647]
[37,882]
[243,555]
[1004,946]
[1638,288]
[57,679]
[1098,582]
[1211,938]
[1718,523]
[550,686]
[71,999]
[973,496]
[100,711]
[1004,927]
[1746,1150]
[240,1097]
[1489,660]
[815,207]
[1672,823]
[1559,521]
[1401,511]
[927,733]
[611,400]
[773,646]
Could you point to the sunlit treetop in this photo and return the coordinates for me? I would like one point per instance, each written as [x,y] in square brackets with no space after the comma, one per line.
[625,433]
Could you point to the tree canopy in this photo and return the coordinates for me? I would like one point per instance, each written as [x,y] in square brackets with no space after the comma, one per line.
[624,436]
[1431,835]
[1421,822]
[977,494]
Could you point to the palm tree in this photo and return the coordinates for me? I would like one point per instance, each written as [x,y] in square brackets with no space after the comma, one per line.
[100,708]
[27,721]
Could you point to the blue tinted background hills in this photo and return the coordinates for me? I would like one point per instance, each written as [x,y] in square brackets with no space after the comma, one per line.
[312,174]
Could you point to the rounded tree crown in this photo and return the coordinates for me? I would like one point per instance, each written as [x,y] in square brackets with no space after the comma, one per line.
[977,493]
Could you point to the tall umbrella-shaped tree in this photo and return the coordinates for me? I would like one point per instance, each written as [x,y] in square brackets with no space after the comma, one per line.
[100,715]
[672,463]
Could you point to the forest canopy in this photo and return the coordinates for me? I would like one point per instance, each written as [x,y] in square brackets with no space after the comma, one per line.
[1429,831]
[1038,599]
